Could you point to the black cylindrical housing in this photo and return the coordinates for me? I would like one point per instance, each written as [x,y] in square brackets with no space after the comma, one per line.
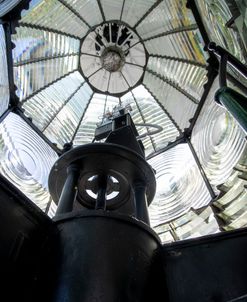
[104,257]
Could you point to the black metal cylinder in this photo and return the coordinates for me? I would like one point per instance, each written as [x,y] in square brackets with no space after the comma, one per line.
[69,191]
[141,202]
[104,257]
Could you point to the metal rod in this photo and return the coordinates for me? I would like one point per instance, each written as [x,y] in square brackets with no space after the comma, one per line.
[69,191]
[203,174]
[41,59]
[141,202]
[19,111]
[223,71]
[101,10]
[179,140]
[163,108]
[46,86]
[14,100]
[182,60]
[144,120]
[69,7]
[148,12]
[234,62]
[212,74]
[51,119]
[44,28]
[173,31]
[121,15]
[102,192]
[80,121]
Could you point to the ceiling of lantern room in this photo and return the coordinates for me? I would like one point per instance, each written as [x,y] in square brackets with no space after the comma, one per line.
[72,66]
[162,58]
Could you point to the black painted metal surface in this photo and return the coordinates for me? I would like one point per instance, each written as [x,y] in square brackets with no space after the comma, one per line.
[209,269]
[23,232]
[113,160]
[104,257]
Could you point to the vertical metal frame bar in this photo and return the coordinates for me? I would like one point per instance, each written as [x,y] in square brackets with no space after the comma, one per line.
[14,100]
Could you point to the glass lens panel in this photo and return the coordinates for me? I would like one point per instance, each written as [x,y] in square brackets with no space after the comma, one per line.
[33,43]
[176,193]
[191,225]
[133,11]
[93,115]
[232,208]
[153,113]
[216,15]
[7,5]
[186,45]
[45,105]
[63,127]
[89,10]
[112,9]
[136,114]
[189,77]
[54,15]
[218,141]
[4,83]
[180,108]
[29,78]
[26,159]
[168,15]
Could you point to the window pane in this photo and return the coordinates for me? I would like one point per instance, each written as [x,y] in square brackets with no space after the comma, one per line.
[45,105]
[93,115]
[232,207]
